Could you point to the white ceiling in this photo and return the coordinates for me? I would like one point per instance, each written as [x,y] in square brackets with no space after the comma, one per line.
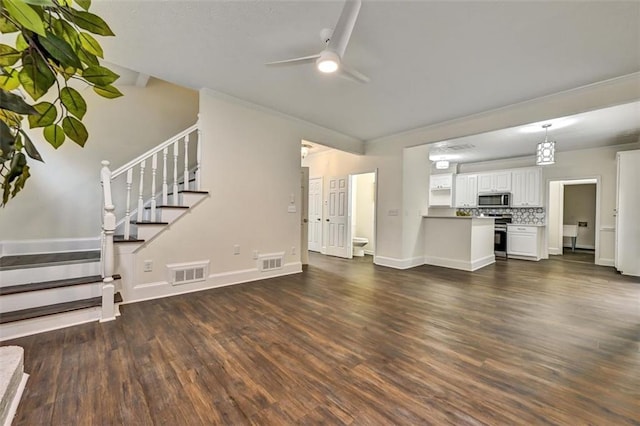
[604,127]
[429,61]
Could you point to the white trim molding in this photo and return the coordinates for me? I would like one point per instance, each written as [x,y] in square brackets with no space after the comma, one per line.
[160,289]
[395,263]
[460,264]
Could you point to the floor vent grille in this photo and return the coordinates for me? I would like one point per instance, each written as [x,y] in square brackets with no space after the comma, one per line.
[186,273]
[270,262]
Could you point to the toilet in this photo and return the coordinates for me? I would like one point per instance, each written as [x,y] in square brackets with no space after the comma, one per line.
[358,245]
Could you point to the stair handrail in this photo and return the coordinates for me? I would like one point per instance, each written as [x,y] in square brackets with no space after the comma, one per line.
[123,169]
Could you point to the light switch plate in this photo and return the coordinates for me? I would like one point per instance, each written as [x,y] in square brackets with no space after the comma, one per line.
[291,209]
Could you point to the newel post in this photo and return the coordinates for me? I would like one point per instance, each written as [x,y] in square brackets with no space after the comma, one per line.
[108,230]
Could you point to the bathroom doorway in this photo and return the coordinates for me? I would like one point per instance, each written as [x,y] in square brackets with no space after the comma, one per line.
[362,213]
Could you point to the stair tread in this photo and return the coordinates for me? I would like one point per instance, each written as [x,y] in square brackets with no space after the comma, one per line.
[47,285]
[48,259]
[189,191]
[148,222]
[164,206]
[120,239]
[58,308]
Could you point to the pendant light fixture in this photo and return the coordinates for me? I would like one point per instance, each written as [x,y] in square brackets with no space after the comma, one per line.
[546,151]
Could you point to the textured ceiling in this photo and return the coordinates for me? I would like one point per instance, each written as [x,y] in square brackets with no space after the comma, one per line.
[428,61]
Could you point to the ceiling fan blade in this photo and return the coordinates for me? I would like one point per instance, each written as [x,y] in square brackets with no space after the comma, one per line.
[296,61]
[353,75]
[344,27]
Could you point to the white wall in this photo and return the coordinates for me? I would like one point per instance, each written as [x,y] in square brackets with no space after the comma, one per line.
[62,199]
[363,212]
[580,206]
[251,168]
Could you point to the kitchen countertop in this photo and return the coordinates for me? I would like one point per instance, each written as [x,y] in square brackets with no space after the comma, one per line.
[539,225]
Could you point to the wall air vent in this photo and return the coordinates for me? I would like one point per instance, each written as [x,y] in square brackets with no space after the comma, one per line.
[185,273]
[270,262]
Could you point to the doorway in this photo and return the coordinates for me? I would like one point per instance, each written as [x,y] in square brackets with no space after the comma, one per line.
[342,214]
[573,221]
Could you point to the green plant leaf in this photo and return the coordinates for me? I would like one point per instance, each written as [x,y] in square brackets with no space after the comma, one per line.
[60,50]
[30,147]
[54,135]
[85,4]
[40,2]
[73,102]
[15,103]
[90,22]
[46,116]
[22,179]
[25,15]
[91,45]
[21,43]
[75,130]
[12,119]
[7,140]
[8,55]
[9,79]
[6,26]
[87,58]
[67,32]
[99,75]
[108,91]
[35,76]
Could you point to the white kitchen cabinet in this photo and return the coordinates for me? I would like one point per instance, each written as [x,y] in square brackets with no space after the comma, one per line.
[494,182]
[441,190]
[526,187]
[466,191]
[523,241]
[441,181]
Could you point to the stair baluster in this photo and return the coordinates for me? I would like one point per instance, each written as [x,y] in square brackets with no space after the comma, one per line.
[143,164]
[175,173]
[127,213]
[154,167]
[186,163]
[165,187]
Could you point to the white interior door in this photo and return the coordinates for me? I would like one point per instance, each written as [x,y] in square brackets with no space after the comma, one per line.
[337,220]
[315,214]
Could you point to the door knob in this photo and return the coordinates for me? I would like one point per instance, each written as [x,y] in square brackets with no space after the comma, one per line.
[318,219]
[327,220]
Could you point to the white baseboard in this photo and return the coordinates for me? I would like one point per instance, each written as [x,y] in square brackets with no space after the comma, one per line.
[392,262]
[460,264]
[370,252]
[605,262]
[156,290]
[554,251]
[53,245]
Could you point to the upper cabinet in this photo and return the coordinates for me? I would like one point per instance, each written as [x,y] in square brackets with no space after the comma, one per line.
[466,191]
[494,182]
[441,181]
[526,188]
[440,190]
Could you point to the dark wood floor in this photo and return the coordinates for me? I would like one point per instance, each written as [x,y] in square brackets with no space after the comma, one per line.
[347,342]
[577,255]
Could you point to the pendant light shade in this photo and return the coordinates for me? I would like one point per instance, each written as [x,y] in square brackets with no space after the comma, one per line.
[546,151]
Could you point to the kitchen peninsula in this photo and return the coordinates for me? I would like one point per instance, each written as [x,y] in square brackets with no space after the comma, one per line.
[459,242]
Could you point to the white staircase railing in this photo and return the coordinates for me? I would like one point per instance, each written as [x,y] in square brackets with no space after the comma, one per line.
[185,151]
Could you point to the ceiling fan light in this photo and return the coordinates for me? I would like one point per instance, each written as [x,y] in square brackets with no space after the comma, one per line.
[328,62]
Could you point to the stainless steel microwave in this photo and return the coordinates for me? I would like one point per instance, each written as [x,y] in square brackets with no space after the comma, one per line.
[494,200]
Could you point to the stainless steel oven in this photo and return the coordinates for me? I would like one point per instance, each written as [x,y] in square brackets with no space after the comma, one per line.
[500,234]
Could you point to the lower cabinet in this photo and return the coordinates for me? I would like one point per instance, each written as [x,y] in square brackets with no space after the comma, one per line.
[524,241]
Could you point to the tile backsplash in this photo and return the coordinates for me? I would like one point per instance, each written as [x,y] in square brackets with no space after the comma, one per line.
[524,216]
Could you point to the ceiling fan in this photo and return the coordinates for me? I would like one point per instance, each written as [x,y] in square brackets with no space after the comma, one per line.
[330,59]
